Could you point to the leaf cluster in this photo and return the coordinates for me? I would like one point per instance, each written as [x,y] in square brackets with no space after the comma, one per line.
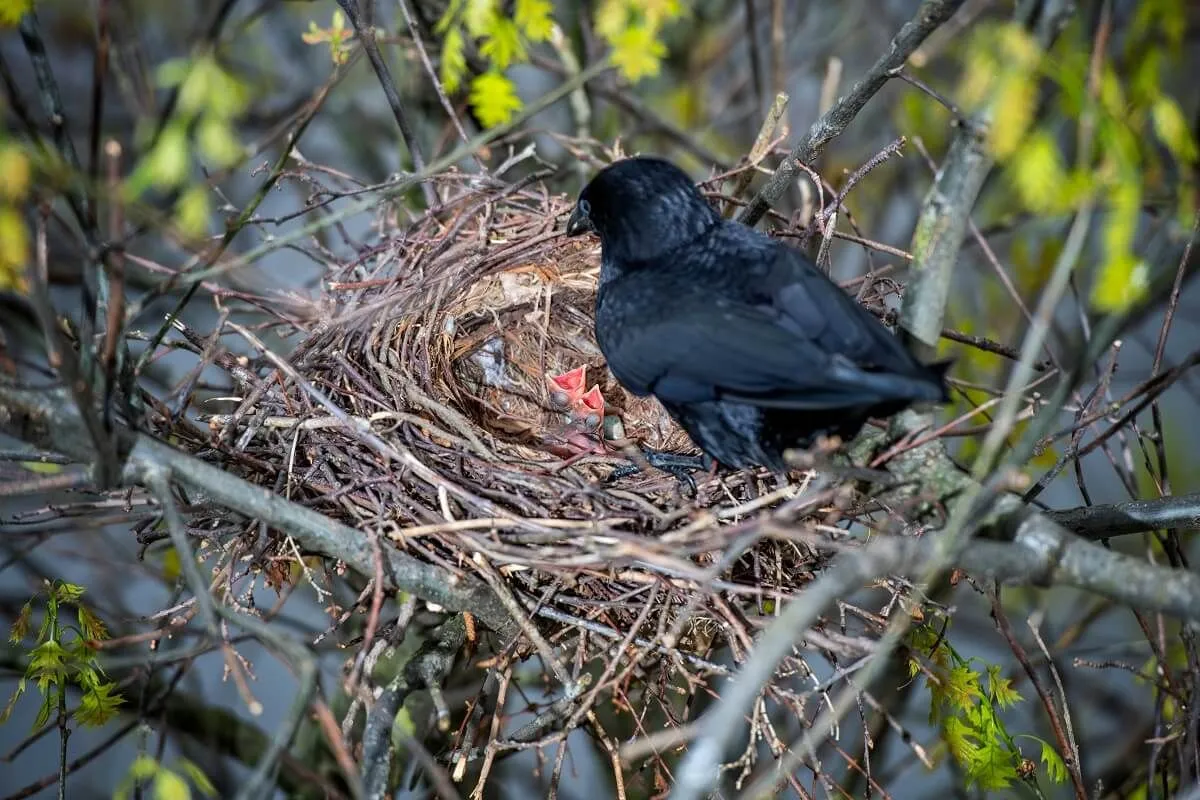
[210,101]
[966,706]
[633,30]
[1131,137]
[64,656]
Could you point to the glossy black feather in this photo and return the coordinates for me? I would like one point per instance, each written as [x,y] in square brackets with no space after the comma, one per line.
[743,340]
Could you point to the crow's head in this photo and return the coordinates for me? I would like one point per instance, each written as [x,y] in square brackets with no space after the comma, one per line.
[641,208]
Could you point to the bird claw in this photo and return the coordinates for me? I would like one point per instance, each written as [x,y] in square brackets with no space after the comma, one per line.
[677,465]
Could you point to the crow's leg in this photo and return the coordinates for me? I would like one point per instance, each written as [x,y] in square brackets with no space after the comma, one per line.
[676,464]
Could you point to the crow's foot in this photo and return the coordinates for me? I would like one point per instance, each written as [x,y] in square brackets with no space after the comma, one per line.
[677,465]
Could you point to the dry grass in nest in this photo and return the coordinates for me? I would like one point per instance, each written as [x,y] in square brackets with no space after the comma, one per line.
[437,341]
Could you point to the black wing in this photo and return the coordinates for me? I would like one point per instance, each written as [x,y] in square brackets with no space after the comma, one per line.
[739,316]
[700,349]
[817,310]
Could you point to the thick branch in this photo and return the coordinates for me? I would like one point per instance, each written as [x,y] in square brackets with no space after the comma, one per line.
[1040,552]
[929,17]
[1139,516]
[47,419]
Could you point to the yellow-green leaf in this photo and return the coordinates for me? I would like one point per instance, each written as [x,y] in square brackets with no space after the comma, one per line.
[197,87]
[454,59]
[1112,94]
[637,53]
[11,12]
[1056,768]
[1124,280]
[503,46]
[167,165]
[1016,102]
[14,172]
[171,568]
[197,777]
[1172,128]
[192,211]
[42,467]
[1120,223]
[534,18]
[611,18]
[978,77]
[480,16]
[656,12]
[217,142]
[494,98]
[1037,171]
[169,786]
[143,768]
[14,250]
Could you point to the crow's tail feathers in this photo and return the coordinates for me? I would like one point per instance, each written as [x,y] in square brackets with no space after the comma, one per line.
[939,370]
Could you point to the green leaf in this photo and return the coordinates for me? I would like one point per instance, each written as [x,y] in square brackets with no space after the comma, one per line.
[143,768]
[40,467]
[479,17]
[1124,281]
[637,53]
[994,767]
[1120,223]
[962,687]
[98,706]
[1001,688]
[43,715]
[168,164]
[12,701]
[11,12]
[217,142]
[197,87]
[14,250]
[1172,129]
[171,568]
[494,98]
[454,59]
[197,777]
[503,46]
[169,786]
[172,73]
[534,18]
[192,211]
[68,592]
[1037,172]
[1056,768]
[960,740]
[1015,105]
[449,17]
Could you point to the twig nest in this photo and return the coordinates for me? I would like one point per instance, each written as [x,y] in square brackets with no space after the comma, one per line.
[519,325]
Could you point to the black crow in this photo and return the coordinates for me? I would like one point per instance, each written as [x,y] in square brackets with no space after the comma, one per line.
[749,346]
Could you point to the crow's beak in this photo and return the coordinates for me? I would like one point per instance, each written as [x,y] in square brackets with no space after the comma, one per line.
[578,223]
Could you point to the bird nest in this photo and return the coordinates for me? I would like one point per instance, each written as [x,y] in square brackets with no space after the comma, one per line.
[417,407]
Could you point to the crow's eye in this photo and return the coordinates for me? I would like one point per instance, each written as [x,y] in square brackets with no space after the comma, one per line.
[585,207]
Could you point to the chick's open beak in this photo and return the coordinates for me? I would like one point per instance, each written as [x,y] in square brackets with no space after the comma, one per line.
[579,223]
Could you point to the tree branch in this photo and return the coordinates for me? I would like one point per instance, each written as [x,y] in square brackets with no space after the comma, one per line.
[1138,516]
[1040,552]
[366,35]
[48,420]
[929,16]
